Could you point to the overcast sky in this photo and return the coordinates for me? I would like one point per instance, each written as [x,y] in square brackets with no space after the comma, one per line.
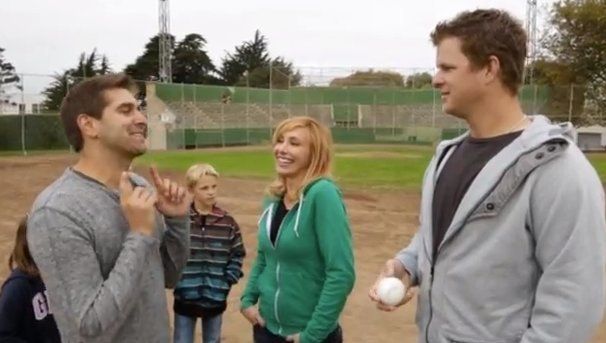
[44,37]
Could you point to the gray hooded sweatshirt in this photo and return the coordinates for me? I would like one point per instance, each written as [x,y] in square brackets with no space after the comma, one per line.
[523,259]
[105,283]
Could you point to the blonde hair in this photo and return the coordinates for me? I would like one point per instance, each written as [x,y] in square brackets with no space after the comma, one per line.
[195,172]
[320,152]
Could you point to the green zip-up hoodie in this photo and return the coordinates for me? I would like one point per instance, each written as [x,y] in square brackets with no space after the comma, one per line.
[303,281]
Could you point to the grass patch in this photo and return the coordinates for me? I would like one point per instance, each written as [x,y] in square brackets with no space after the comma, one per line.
[357,165]
[598,160]
[11,153]
[362,165]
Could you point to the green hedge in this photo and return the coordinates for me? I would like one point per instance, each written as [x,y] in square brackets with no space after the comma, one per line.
[41,132]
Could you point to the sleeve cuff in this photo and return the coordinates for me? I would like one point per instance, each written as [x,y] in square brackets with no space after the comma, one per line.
[410,266]
[138,238]
[177,221]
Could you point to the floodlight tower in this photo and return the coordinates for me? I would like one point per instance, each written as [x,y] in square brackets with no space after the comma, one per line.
[531,31]
[165,70]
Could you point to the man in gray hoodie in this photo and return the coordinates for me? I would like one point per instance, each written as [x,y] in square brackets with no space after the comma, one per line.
[511,244]
[107,243]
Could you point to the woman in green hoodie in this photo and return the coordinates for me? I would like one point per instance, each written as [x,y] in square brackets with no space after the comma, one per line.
[304,268]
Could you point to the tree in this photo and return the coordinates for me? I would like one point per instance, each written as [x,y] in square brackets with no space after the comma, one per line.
[577,41]
[283,76]
[56,91]
[248,57]
[146,66]
[370,78]
[558,79]
[88,66]
[250,65]
[419,80]
[104,68]
[9,81]
[191,63]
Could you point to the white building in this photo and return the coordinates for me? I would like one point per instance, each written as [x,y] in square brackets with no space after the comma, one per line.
[22,104]
[591,138]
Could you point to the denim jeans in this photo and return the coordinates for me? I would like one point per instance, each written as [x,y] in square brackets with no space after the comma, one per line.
[185,329]
[262,335]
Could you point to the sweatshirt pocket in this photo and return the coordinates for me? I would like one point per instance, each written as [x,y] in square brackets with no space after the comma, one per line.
[466,340]
[298,298]
[452,337]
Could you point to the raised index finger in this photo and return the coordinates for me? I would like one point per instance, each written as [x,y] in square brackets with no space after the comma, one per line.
[153,170]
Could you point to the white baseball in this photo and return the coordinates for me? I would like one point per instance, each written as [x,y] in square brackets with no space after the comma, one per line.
[391,291]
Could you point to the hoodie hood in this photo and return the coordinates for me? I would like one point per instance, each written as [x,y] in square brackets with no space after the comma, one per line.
[540,131]
[314,181]
[271,203]
[537,136]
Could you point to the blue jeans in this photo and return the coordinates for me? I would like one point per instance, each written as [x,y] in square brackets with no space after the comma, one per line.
[185,328]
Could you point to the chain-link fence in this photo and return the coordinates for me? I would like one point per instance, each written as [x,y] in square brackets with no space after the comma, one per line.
[26,123]
[393,110]
[202,115]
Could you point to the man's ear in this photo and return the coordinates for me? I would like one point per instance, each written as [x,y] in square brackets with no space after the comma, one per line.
[88,126]
[492,69]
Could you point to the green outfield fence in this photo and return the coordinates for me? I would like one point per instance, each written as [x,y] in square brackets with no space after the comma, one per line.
[193,116]
[202,115]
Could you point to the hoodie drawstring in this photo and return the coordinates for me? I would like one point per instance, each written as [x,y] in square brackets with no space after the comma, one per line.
[298,215]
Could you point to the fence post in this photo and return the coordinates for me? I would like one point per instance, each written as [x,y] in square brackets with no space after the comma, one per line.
[534,99]
[222,124]
[270,97]
[348,108]
[22,112]
[372,112]
[433,102]
[570,103]
[433,110]
[289,98]
[393,112]
[247,111]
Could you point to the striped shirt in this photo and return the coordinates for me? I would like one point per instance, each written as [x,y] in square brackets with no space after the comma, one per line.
[214,265]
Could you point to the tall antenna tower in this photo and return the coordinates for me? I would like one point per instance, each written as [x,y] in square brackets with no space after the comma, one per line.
[165,70]
[531,31]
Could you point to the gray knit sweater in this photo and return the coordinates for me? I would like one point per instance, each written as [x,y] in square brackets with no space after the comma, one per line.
[105,283]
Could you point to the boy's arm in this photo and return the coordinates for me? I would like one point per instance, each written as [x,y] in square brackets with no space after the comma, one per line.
[233,270]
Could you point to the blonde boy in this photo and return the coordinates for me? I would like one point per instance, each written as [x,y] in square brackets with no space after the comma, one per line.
[215,260]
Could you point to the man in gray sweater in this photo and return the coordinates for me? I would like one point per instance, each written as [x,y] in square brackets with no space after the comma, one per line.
[106,242]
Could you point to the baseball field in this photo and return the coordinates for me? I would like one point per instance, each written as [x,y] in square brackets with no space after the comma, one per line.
[381,186]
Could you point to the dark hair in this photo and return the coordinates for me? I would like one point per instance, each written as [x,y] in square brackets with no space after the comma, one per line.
[20,257]
[88,97]
[489,32]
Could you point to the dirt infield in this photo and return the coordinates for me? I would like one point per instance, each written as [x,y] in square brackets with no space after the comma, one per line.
[396,212]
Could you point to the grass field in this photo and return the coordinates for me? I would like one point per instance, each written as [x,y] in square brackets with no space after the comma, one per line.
[382,197]
[356,165]
[598,160]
